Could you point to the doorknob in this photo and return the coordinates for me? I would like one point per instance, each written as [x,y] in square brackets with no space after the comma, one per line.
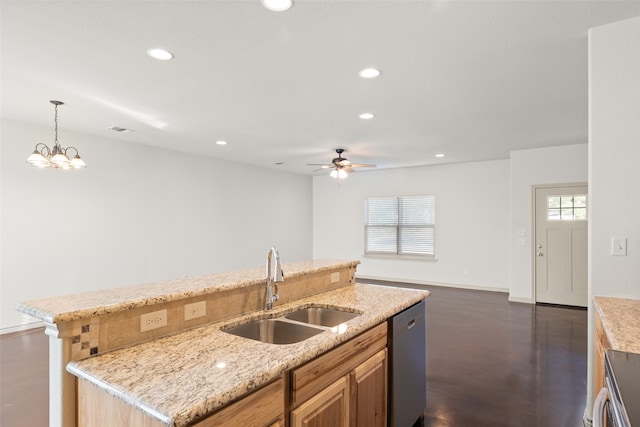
[540,254]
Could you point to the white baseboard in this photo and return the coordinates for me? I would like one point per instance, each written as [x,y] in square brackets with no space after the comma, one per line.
[20,328]
[430,283]
[519,299]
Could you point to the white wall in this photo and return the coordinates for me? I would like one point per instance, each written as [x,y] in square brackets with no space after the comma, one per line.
[472,222]
[136,214]
[554,165]
[614,171]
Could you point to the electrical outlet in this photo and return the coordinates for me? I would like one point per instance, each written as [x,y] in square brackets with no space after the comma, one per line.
[153,320]
[195,310]
[335,277]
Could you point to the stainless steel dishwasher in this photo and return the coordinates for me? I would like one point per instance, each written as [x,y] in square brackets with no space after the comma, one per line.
[407,363]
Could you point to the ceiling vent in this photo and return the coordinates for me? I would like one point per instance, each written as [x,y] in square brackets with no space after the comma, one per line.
[119,129]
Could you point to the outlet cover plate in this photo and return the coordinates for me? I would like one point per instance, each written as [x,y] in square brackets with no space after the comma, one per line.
[153,320]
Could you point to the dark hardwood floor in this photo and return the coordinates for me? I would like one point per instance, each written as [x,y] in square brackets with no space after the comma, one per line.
[24,379]
[489,363]
[495,363]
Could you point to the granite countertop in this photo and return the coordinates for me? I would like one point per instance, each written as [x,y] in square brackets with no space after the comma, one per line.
[180,378]
[65,308]
[621,321]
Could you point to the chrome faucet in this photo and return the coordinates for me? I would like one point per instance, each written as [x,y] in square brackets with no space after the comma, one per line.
[274,276]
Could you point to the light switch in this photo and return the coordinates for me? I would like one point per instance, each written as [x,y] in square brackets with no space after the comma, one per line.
[619,246]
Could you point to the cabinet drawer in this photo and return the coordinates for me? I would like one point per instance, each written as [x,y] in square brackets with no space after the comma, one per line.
[310,379]
[264,407]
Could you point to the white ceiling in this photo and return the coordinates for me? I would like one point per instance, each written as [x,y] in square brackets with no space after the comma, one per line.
[471,79]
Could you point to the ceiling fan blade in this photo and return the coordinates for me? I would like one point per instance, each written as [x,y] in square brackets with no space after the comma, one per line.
[321,169]
[362,165]
[320,164]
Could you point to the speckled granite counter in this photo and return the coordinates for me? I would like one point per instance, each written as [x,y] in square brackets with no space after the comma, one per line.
[180,378]
[66,308]
[621,321]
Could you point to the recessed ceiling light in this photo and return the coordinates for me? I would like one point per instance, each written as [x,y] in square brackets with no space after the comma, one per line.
[369,73]
[160,54]
[366,116]
[277,5]
[221,142]
[439,155]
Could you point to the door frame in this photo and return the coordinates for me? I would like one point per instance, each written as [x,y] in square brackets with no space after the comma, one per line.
[532,244]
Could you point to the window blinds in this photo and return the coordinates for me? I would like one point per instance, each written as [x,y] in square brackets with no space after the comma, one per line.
[400,225]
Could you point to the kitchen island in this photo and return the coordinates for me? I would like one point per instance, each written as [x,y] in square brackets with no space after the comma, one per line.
[187,367]
[182,378]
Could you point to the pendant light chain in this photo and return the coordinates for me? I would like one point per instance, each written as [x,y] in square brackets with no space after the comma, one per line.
[56,123]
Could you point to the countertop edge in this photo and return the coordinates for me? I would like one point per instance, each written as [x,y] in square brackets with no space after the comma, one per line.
[34,308]
[621,324]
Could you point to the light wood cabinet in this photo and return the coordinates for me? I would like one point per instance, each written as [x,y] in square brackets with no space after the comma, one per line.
[601,344]
[330,407]
[96,408]
[263,408]
[346,386]
[369,383]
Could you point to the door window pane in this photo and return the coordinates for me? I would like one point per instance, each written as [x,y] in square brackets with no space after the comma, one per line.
[567,208]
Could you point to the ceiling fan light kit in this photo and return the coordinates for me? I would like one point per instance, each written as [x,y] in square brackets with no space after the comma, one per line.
[341,166]
[56,157]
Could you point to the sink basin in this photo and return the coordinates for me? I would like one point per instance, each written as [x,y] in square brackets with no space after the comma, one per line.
[274,331]
[321,316]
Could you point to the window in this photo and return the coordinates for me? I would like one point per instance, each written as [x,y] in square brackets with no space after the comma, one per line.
[400,225]
[567,208]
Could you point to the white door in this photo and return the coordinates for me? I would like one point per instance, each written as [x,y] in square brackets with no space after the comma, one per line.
[561,245]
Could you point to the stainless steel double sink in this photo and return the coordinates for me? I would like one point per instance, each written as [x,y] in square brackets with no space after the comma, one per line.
[293,327]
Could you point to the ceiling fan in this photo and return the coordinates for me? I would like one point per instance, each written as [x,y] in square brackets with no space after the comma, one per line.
[341,166]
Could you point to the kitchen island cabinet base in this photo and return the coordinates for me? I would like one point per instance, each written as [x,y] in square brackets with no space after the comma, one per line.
[263,408]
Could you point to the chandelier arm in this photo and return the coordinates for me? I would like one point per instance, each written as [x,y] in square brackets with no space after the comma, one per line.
[69,148]
[44,148]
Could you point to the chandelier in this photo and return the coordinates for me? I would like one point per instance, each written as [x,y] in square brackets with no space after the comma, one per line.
[56,157]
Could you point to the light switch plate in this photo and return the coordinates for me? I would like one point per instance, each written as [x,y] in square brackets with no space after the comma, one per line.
[619,246]
[195,310]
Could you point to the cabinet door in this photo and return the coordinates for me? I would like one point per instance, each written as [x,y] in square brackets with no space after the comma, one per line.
[370,384]
[330,407]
